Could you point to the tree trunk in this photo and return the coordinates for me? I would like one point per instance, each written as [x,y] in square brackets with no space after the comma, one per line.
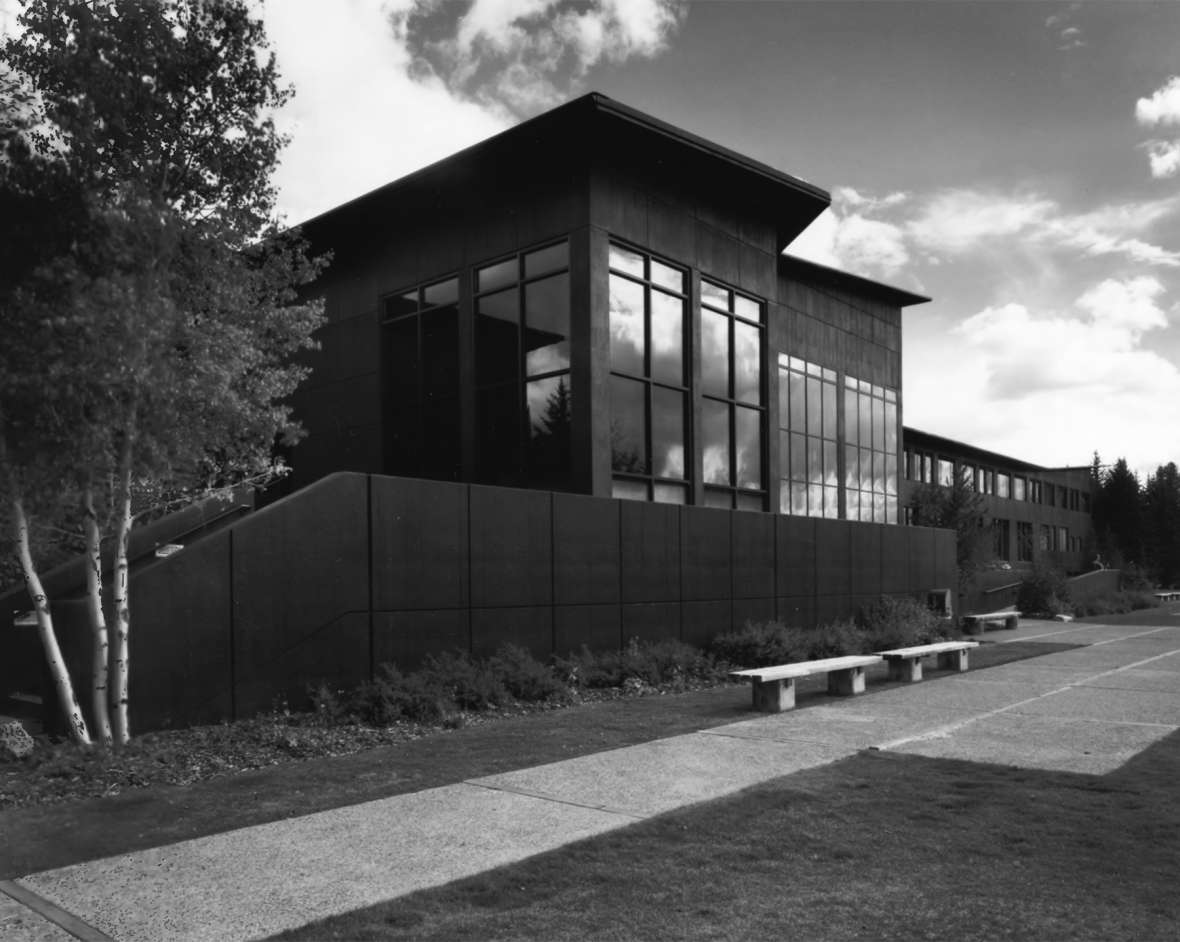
[57,667]
[122,727]
[98,624]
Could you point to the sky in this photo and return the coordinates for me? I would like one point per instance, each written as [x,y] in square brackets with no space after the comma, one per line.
[1017,162]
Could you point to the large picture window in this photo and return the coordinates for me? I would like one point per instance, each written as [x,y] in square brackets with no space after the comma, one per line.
[420,340]
[807,439]
[649,377]
[732,407]
[522,369]
[870,452]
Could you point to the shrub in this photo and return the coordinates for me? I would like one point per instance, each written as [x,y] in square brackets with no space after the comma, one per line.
[898,622]
[835,639]
[1115,603]
[1044,591]
[392,696]
[639,664]
[466,681]
[761,644]
[524,677]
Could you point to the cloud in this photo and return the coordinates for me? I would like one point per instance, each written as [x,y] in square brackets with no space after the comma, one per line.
[1163,107]
[879,237]
[1164,157]
[962,220]
[524,55]
[1068,36]
[358,119]
[1053,385]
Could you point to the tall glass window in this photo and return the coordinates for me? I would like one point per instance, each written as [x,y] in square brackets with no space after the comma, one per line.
[807,439]
[649,377]
[732,410]
[522,366]
[420,341]
[870,452]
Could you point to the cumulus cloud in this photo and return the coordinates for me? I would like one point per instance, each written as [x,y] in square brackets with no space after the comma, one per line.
[358,119]
[1164,157]
[1161,109]
[523,55]
[1083,377]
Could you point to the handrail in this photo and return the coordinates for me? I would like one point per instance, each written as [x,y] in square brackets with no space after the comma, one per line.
[1002,588]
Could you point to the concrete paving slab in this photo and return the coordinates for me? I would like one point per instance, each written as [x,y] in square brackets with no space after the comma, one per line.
[1041,742]
[1097,659]
[655,777]
[1115,706]
[851,726]
[1168,663]
[1137,679]
[947,700]
[1032,674]
[18,923]
[261,880]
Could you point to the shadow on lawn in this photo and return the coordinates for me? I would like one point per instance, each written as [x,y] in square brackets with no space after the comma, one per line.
[880,845]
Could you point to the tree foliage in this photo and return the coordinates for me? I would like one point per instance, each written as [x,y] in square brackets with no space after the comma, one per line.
[153,301]
[960,508]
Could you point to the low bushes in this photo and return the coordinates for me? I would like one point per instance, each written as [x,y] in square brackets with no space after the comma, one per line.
[888,622]
[1044,591]
[449,684]
[1115,603]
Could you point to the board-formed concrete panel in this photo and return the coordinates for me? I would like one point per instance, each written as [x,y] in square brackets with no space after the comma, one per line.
[795,537]
[753,555]
[650,552]
[651,621]
[701,622]
[405,638]
[529,627]
[705,555]
[585,550]
[511,547]
[420,544]
[598,627]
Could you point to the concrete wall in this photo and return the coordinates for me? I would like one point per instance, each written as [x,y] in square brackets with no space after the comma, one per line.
[357,570]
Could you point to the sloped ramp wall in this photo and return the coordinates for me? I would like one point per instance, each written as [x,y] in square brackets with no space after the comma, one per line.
[357,569]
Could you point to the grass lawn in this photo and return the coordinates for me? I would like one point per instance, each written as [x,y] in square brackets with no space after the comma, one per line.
[878,846]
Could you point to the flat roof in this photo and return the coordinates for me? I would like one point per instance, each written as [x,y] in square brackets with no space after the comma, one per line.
[953,446]
[887,293]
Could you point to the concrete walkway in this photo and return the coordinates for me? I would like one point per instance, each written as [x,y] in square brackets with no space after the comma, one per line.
[1086,710]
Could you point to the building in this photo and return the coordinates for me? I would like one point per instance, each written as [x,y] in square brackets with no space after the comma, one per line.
[1036,513]
[569,391]
[596,302]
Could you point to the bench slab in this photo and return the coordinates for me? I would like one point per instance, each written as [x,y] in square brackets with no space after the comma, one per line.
[906,663]
[773,688]
[1009,619]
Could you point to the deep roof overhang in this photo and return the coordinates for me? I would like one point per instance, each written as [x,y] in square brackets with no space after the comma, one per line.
[876,289]
[600,125]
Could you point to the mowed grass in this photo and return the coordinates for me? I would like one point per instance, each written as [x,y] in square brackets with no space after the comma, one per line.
[878,846]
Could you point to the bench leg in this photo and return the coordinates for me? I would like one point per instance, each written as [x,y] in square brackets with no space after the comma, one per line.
[953,660]
[906,669]
[846,683]
[973,626]
[774,696]
[1011,622]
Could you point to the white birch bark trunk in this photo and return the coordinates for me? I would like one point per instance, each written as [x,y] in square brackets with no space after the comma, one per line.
[100,670]
[57,666]
[122,652]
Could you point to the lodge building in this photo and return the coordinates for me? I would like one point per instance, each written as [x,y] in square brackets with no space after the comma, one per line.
[569,392]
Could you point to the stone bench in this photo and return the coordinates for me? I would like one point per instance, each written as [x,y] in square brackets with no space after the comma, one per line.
[1168,595]
[906,663]
[979,621]
[774,687]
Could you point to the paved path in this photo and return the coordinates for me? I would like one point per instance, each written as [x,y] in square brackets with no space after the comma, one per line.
[1086,710]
